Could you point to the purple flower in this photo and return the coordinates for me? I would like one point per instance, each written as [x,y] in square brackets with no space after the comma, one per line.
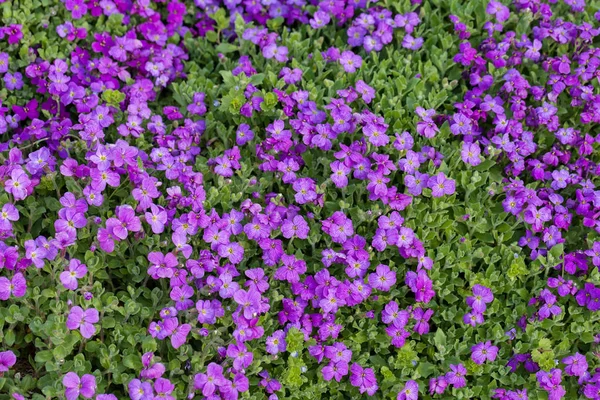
[157,218]
[576,365]
[456,376]
[319,19]
[350,61]
[233,251]
[335,370]
[248,300]
[7,360]
[84,320]
[242,358]
[421,285]
[276,342]
[9,213]
[244,134]
[126,221]
[363,378]
[410,391]
[339,174]
[473,318]
[3,62]
[437,385]
[75,386]
[440,185]
[483,352]
[164,388]
[496,8]
[274,51]
[139,390]
[296,227]
[76,270]
[18,184]
[481,296]
[179,336]
[422,318]
[16,287]
[13,81]
[305,190]
[366,91]
[383,278]
[416,183]
[197,107]
[412,43]
[470,153]
[211,381]
[551,382]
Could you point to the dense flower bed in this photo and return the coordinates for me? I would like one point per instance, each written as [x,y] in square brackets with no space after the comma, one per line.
[299,200]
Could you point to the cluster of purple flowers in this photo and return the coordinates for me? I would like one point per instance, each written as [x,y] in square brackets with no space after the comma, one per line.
[103,103]
[453,378]
[374,29]
[548,188]
[478,303]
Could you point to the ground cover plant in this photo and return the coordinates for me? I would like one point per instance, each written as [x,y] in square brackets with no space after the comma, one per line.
[299,199]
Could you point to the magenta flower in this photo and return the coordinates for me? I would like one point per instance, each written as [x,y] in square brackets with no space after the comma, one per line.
[157,218]
[7,360]
[8,215]
[197,106]
[83,320]
[437,385]
[75,386]
[15,287]
[139,390]
[422,318]
[551,382]
[18,184]
[383,278]
[127,221]
[335,370]
[456,376]
[276,342]
[440,185]
[481,297]
[151,370]
[179,336]
[364,379]
[76,270]
[576,365]
[410,391]
[211,381]
[350,61]
[483,352]
[242,358]
[295,227]
[470,154]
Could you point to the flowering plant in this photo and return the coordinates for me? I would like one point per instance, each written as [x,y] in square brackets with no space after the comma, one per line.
[299,200]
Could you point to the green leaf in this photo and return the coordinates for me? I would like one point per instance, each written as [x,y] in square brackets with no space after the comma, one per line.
[133,361]
[226,48]
[439,339]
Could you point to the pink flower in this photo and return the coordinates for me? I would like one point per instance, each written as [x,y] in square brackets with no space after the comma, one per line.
[75,270]
[7,360]
[75,386]
[16,287]
[84,320]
